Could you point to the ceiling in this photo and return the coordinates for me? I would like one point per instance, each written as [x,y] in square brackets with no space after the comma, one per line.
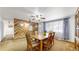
[49,13]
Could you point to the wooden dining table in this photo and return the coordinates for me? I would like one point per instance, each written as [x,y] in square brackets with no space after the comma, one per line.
[40,38]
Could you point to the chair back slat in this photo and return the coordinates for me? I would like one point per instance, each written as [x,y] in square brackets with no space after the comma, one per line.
[29,41]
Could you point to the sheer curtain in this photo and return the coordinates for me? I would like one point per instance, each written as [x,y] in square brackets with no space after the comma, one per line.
[57,27]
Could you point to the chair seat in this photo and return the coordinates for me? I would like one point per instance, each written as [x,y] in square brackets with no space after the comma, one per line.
[36,47]
[35,44]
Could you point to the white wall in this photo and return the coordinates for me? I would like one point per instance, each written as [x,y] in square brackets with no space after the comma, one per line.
[72,28]
[4,29]
[8,30]
[1,29]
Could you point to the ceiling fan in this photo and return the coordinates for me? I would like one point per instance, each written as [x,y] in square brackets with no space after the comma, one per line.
[37,17]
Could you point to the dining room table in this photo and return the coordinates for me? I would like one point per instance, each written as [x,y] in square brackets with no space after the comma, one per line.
[40,38]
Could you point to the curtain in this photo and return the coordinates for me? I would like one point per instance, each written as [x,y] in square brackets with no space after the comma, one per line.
[66,28]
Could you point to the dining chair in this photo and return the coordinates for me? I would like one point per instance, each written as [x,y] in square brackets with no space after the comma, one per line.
[47,44]
[30,44]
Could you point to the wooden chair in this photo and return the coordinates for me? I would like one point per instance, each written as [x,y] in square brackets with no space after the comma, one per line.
[47,44]
[53,36]
[30,44]
[76,44]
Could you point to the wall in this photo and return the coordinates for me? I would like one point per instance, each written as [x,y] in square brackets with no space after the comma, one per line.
[40,28]
[58,12]
[1,29]
[72,28]
[8,30]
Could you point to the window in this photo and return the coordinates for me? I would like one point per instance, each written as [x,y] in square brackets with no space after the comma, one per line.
[57,27]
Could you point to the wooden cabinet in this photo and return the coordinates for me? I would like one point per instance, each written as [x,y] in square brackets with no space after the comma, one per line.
[77,29]
[77,23]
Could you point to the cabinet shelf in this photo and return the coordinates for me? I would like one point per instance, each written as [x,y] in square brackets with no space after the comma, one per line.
[77,23]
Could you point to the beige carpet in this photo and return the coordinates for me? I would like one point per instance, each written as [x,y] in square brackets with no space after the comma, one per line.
[13,45]
[63,46]
[21,45]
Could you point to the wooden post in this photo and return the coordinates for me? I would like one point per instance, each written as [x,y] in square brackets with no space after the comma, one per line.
[41,45]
